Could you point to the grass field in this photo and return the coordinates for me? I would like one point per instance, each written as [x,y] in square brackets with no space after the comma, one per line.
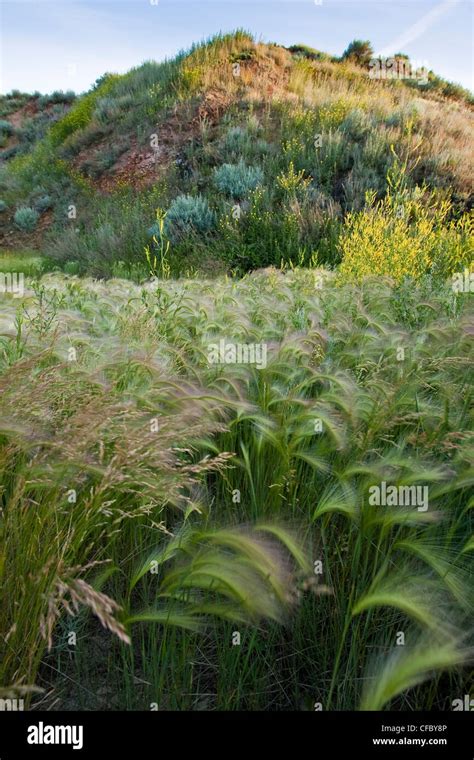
[225,508]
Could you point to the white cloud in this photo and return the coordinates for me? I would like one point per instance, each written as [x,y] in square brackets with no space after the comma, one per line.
[418,29]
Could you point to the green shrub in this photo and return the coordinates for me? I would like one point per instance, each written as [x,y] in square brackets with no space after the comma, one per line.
[403,237]
[290,181]
[26,219]
[42,170]
[360,180]
[58,96]
[269,238]
[130,271]
[109,108]
[407,117]
[109,228]
[371,160]
[78,117]
[103,160]
[242,55]
[236,140]
[93,133]
[3,206]
[309,52]
[72,267]
[6,127]
[237,180]
[81,113]
[239,142]
[359,52]
[9,153]
[357,124]
[331,160]
[33,129]
[43,203]
[188,214]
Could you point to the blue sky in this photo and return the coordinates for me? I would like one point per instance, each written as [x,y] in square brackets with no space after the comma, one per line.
[67,44]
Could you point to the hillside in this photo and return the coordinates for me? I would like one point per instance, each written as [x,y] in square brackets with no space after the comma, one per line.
[236,400]
[274,146]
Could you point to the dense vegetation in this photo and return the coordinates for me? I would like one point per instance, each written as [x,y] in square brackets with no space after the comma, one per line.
[180,531]
[255,153]
[94,491]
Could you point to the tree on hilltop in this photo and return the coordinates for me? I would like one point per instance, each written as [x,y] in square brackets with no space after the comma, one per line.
[359,52]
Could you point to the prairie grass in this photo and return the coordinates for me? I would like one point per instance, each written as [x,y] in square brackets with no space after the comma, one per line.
[156,504]
[28,262]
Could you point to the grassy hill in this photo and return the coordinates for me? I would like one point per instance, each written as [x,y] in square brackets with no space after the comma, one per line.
[237,333]
[255,153]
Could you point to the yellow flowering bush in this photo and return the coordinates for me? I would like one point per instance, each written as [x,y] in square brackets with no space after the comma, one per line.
[80,114]
[191,79]
[402,237]
[291,180]
[331,115]
[455,247]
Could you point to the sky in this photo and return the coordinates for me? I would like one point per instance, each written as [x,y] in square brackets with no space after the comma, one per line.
[68,44]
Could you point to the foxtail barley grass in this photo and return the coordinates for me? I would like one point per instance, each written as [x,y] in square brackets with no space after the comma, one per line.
[210,524]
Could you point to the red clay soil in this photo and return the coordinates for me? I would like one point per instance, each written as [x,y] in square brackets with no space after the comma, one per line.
[138,167]
[25,112]
[142,166]
[13,238]
[17,118]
